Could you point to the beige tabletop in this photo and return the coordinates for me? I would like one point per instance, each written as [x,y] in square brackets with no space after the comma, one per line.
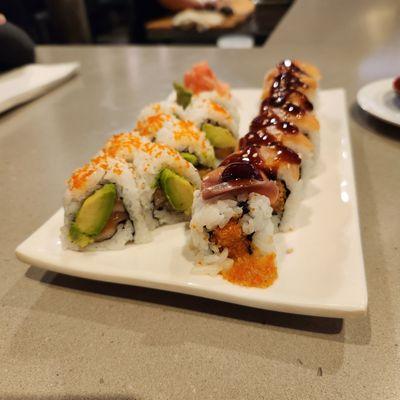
[68,338]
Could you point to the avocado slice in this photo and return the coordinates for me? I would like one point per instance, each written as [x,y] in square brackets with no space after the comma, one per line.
[219,137]
[93,215]
[177,189]
[183,95]
[79,238]
[190,157]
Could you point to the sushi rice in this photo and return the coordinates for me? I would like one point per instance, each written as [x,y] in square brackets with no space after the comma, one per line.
[208,215]
[182,135]
[203,109]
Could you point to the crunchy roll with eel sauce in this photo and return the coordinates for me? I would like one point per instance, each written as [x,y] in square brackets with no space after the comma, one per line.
[281,165]
[231,225]
[288,92]
[102,207]
[292,74]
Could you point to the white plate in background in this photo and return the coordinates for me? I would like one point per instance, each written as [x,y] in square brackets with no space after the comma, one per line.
[323,275]
[380,100]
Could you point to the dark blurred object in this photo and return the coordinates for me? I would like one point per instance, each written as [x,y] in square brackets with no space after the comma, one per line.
[110,20]
[23,14]
[396,85]
[50,21]
[69,21]
[142,12]
[16,47]
[227,11]
[266,16]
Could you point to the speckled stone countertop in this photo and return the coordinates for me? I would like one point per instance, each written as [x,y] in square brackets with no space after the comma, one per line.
[67,338]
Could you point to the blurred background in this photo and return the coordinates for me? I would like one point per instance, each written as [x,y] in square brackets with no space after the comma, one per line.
[234,23]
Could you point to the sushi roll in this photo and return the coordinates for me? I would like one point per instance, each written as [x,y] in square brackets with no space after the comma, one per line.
[155,115]
[288,93]
[296,109]
[218,124]
[102,207]
[209,104]
[293,74]
[268,128]
[167,181]
[201,80]
[165,178]
[281,165]
[232,227]
[182,135]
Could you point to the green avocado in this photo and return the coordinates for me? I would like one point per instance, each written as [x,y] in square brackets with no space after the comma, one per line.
[190,157]
[79,238]
[178,190]
[219,137]
[93,215]
[183,95]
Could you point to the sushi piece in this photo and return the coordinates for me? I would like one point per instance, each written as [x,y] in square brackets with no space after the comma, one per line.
[165,178]
[288,93]
[182,135]
[281,165]
[268,128]
[153,117]
[294,108]
[168,182]
[294,75]
[209,104]
[218,124]
[200,80]
[232,227]
[102,207]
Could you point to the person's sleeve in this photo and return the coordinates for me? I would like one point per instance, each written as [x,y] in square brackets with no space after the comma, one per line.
[16,47]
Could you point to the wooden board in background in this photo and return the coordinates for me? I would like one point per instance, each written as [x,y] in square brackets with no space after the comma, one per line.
[242,9]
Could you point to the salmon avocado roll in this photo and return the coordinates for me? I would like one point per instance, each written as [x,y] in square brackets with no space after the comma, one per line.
[165,178]
[168,181]
[126,191]
[208,103]
[102,207]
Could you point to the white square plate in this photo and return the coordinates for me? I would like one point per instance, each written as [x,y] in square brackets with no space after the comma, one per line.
[322,274]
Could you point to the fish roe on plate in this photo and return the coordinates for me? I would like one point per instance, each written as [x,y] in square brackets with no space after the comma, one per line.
[252,270]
